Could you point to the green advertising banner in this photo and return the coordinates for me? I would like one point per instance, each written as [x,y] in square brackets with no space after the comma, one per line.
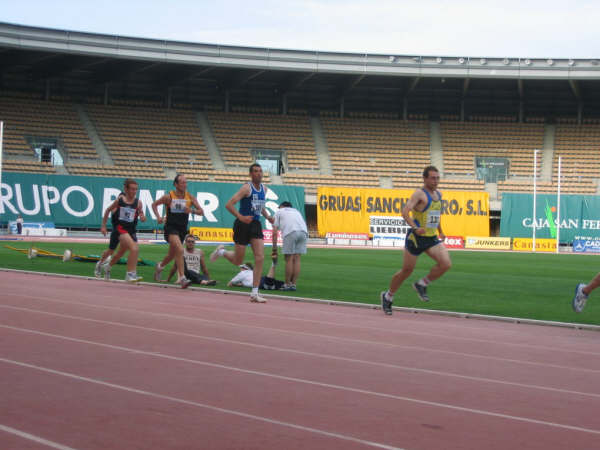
[79,202]
[579,216]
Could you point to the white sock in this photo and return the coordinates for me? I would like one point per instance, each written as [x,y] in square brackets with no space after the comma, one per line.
[221,252]
[254,291]
[424,281]
[389,296]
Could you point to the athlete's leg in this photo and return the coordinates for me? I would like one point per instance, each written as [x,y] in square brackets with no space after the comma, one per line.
[592,285]
[439,253]
[235,257]
[259,256]
[408,265]
[128,244]
[289,269]
[295,268]
[117,256]
[175,252]
[108,252]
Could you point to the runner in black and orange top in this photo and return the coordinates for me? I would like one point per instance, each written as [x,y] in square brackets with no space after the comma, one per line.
[127,209]
[178,204]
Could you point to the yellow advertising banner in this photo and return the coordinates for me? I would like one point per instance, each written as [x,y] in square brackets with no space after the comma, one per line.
[348,210]
[487,243]
[541,245]
[213,234]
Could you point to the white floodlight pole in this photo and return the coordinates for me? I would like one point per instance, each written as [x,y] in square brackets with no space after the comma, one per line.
[534,196]
[558,207]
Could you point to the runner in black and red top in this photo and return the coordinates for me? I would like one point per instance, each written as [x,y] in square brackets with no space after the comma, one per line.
[178,204]
[114,237]
[127,209]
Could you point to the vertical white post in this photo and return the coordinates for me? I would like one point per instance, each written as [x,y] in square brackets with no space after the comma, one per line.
[1,145]
[558,207]
[534,197]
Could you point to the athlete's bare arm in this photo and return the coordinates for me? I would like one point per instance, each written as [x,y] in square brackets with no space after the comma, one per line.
[141,211]
[230,205]
[112,208]
[415,200]
[164,200]
[264,212]
[198,209]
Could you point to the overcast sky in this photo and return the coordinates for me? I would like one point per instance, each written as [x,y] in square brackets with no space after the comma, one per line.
[559,29]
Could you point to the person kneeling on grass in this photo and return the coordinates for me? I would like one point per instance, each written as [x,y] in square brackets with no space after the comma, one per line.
[194,266]
[245,278]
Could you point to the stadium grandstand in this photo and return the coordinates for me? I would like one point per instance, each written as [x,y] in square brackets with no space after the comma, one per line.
[102,105]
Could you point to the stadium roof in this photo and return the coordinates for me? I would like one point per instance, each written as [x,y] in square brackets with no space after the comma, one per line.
[85,64]
[112,46]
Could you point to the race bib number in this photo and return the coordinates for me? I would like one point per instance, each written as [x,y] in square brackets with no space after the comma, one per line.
[178,205]
[433,219]
[257,204]
[126,214]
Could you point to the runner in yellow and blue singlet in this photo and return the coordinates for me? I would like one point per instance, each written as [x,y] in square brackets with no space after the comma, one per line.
[429,219]
[422,213]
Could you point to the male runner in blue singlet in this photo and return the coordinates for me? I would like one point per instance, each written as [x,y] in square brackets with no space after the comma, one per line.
[247,228]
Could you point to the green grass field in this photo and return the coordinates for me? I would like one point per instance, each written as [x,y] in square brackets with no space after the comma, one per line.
[534,286]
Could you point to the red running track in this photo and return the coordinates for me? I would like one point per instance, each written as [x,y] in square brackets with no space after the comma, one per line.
[87,364]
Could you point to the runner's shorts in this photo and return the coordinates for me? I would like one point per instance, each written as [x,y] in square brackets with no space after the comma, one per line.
[244,232]
[418,244]
[114,236]
[174,230]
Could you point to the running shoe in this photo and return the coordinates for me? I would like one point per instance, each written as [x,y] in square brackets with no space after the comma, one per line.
[133,278]
[158,272]
[184,282]
[386,305]
[421,291]
[255,298]
[289,287]
[98,269]
[579,299]
[106,270]
[215,255]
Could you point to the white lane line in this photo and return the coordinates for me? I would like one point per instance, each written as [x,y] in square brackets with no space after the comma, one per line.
[34,438]
[307,382]
[367,328]
[314,335]
[304,353]
[200,405]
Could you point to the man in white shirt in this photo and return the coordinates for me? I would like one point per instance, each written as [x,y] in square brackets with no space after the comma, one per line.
[295,235]
[194,266]
[245,278]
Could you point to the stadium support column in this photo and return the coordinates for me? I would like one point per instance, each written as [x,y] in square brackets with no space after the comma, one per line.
[284,104]
[521,90]
[342,102]
[169,98]
[105,94]
[577,93]
[405,109]
[227,95]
